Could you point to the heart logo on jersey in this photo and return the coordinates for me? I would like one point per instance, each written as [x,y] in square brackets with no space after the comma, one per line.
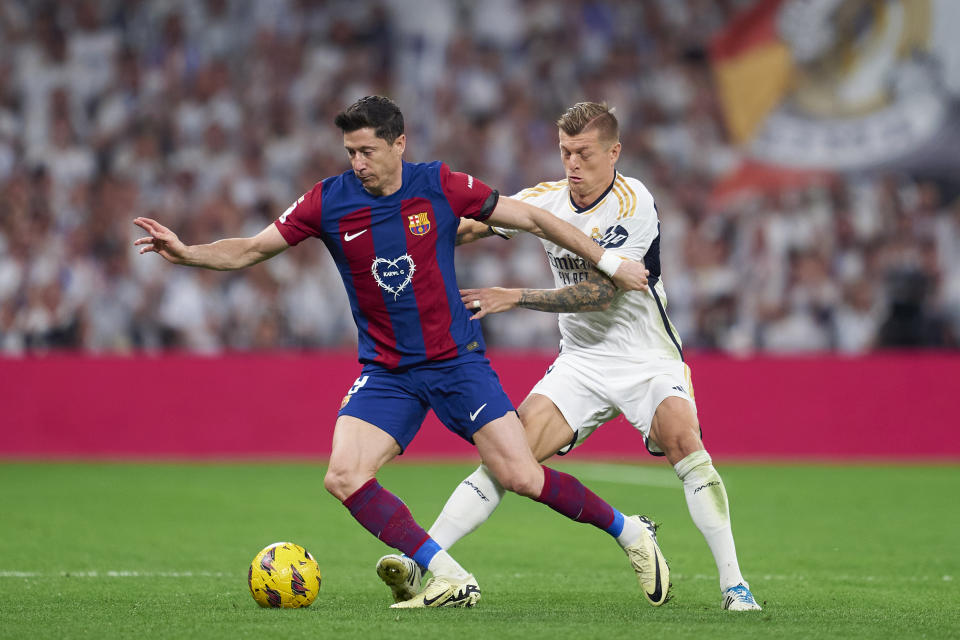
[393,275]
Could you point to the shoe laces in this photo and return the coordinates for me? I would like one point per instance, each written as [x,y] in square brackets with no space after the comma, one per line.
[741,593]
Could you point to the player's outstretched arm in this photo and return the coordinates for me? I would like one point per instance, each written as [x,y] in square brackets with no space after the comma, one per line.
[515,214]
[594,294]
[222,255]
[471,230]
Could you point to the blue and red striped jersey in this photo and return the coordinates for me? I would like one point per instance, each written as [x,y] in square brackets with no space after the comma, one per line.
[395,256]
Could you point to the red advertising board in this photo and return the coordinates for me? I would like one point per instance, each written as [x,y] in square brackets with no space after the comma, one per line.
[278,405]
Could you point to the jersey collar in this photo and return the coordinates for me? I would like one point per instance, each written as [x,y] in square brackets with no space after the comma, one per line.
[595,202]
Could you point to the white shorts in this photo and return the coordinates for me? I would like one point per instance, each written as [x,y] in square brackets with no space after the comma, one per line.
[590,391]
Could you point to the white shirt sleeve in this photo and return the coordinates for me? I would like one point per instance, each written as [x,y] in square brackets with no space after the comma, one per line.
[632,234]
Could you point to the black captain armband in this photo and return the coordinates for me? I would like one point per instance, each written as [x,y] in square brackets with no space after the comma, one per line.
[489,205]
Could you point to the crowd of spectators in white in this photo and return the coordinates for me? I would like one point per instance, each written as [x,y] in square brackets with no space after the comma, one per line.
[213,116]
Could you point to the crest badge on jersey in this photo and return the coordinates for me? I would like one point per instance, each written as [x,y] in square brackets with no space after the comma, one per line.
[419,223]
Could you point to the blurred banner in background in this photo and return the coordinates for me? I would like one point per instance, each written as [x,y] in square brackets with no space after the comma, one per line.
[839,85]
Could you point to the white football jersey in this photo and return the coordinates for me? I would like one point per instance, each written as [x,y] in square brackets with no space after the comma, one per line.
[624,220]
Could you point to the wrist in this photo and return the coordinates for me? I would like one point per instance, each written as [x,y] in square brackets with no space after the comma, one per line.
[608,263]
[189,256]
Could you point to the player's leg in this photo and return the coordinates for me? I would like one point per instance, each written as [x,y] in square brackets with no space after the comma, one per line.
[475,499]
[359,450]
[548,432]
[378,418]
[478,495]
[502,447]
[675,429]
[470,505]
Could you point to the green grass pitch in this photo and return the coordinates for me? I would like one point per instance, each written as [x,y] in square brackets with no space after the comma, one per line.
[94,550]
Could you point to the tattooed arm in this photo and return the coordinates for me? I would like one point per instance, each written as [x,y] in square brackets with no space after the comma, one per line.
[594,294]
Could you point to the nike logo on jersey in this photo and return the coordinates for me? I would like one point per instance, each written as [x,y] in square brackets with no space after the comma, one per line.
[347,236]
[473,416]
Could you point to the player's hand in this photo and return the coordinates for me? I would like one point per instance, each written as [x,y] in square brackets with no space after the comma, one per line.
[631,276]
[491,300]
[163,241]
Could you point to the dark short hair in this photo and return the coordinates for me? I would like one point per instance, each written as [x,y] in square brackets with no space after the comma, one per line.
[376,112]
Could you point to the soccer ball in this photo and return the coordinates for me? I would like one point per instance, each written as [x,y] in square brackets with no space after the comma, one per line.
[284,575]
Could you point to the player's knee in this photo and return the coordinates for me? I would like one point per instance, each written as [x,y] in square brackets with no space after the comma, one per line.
[679,442]
[523,483]
[339,483]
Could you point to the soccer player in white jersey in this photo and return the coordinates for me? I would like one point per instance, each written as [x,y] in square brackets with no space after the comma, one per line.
[619,351]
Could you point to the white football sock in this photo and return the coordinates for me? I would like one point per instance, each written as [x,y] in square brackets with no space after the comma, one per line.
[707,501]
[467,508]
[631,533]
[443,564]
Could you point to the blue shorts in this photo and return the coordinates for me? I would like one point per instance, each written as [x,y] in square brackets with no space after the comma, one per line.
[465,395]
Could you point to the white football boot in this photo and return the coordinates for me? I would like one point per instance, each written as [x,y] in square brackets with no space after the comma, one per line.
[444,592]
[739,598]
[401,574]
[648,562]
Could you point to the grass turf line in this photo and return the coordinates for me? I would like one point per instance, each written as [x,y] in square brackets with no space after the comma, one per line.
[852,552]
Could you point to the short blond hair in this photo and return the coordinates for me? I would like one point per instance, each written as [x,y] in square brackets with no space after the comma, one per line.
[584,116]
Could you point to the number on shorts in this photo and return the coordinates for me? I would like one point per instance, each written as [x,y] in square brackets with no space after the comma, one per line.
[357,384]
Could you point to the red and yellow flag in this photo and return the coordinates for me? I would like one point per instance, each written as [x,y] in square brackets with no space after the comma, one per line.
[752,68]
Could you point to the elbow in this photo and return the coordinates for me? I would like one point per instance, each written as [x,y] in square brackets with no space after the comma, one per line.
[602,304]
[606,295]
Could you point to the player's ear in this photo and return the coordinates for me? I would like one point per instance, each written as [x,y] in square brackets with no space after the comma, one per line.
[400,144]
[615,152]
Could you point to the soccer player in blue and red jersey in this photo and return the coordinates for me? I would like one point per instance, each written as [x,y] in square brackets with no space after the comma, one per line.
[391,228]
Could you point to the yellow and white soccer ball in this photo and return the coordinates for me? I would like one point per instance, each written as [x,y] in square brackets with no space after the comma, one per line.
[284,575]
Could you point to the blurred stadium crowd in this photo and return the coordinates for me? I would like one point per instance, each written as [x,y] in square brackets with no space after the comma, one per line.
[212,116]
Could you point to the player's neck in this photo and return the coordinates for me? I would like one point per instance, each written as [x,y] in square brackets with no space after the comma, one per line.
[387,188]
[583,196]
